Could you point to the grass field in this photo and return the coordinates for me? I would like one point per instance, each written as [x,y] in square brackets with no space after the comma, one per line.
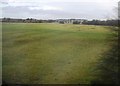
[53,53]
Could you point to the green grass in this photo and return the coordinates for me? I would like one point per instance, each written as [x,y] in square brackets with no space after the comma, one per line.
[52,53]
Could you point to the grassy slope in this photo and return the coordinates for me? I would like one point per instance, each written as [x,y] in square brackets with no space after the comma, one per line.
[52,53]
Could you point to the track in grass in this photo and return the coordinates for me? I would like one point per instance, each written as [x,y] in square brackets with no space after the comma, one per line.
[52,53]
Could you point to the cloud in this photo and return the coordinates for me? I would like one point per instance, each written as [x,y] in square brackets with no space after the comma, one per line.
[58,8]
[45,8]
[25,12]
[51,8]
[48,1]
[34,8]
[40,2]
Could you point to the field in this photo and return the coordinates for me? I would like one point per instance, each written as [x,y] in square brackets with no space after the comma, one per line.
[53,53]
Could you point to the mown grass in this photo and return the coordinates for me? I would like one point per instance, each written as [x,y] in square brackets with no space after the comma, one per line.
[52,53]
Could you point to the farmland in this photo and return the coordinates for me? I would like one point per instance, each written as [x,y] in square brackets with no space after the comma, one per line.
[53,53]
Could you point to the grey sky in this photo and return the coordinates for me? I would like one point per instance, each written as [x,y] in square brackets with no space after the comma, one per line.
[53,9]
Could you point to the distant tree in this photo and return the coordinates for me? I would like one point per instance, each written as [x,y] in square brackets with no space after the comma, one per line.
[76,22]
[27,19]
[61,22]
[39,21]
[51,21]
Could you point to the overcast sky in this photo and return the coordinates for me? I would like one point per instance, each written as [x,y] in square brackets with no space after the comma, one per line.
[55,9]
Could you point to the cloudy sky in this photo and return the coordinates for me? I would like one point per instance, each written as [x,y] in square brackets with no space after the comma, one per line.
[55,9]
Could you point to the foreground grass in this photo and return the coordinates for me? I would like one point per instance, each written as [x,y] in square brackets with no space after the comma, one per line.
[52,53]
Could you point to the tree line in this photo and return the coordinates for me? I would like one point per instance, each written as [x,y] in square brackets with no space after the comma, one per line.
[102,22]
[28,20]
[114,22]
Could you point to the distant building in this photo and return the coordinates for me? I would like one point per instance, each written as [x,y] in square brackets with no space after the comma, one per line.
[69,21]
